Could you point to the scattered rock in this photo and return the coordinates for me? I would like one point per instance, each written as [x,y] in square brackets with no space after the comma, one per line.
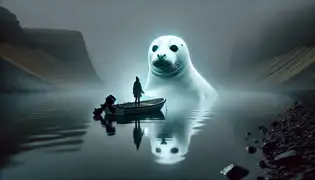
[262,164]
[275,124]
[263,129]
[251,149]
[234,172]
[289,145]
[288,158]
[286,155]
[268,147]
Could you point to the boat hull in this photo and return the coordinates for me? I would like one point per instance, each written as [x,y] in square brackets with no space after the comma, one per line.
[148,106]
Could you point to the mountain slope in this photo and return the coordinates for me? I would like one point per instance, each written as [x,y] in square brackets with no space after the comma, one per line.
[58,57]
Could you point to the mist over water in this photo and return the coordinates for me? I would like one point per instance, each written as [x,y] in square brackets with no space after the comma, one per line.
[218,33]
[55,134]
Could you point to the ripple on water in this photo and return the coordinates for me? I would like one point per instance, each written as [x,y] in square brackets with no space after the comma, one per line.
[168,141]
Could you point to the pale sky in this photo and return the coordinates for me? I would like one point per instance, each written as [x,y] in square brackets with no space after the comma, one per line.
[119,32]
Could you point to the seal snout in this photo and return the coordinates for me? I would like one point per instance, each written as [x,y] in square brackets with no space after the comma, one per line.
[161,56]
[161,63]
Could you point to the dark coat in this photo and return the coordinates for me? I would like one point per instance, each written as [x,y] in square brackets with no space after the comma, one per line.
[137,89]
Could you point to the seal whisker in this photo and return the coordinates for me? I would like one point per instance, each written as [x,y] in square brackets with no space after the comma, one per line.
[176,70]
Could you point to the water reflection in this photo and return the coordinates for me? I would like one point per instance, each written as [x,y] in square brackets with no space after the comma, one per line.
[54,130]
[166,138]
[154,117]
[138,131]
[137,134]
[171,138]
[109,122]
[169,134]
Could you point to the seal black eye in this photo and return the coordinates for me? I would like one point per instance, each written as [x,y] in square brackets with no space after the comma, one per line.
[174,48]
[154,48]
[174,150]
[158,150]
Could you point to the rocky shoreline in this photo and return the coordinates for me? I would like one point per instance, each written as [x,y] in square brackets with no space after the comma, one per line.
[289,144]
[288,147]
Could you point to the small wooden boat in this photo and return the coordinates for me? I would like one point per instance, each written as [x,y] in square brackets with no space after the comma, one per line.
[148,106]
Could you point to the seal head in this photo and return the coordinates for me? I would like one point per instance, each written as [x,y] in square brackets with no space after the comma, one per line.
[167,56]
[171,72]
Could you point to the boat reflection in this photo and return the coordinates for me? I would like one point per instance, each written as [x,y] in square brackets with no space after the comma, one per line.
[138,131]
[109,122]
[144,118]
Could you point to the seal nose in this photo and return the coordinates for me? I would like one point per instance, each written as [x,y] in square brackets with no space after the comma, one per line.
[161,56]
[163,141]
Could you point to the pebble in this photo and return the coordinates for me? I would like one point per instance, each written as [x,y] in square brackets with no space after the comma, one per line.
[262,164]
[251,149]
[234,172]
[286,155]
[268,147]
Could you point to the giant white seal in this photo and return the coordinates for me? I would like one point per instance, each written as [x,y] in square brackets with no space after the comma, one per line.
[172,73]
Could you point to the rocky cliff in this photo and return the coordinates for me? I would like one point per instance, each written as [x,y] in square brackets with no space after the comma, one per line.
[10,29]
[282,58]
[68,47]
[15,79]
[56,57]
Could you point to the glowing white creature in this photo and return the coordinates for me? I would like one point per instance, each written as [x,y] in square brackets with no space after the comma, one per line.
[171,72]
[172,76]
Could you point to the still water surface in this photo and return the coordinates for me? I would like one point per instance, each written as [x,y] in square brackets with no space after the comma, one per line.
[54,136]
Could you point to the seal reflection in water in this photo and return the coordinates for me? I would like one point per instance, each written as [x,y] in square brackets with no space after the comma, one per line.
[170,139]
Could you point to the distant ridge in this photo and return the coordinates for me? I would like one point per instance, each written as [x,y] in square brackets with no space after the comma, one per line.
[19,80]
[58,57]
[280,58]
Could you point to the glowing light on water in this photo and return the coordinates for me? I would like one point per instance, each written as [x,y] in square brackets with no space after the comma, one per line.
[170,139]
[146,131]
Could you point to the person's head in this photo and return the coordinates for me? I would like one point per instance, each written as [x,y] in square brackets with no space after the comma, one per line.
[137,79]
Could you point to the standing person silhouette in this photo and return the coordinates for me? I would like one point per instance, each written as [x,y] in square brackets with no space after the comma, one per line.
[137,91]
